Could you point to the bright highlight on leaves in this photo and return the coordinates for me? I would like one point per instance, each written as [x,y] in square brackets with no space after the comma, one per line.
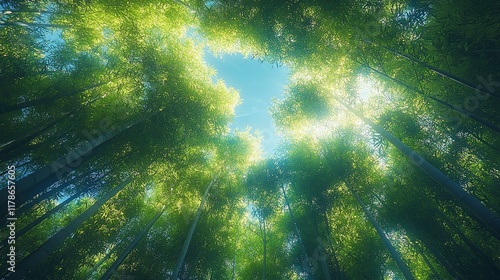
[365,88]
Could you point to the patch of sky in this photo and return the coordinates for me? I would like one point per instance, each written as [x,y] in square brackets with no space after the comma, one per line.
[51,36]
[257,82]
[209,4]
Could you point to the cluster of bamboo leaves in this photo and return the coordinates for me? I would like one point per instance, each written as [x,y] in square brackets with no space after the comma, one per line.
[126,166]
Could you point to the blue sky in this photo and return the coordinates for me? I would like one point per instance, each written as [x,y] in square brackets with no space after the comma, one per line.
[257,83]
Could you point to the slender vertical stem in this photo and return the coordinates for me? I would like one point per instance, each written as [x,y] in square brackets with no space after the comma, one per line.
[189,236]
[465,199]
[264,241]
[394,254]
[131,246]
[42,252]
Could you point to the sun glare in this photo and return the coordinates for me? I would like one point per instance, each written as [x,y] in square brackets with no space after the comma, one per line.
[317,130]
[365,88]
[321,129]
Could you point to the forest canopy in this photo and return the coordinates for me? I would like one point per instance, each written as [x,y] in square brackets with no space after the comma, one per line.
[118,161]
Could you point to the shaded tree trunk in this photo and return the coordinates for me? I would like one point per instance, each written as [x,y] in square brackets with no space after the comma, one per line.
[47,214]
[31,147]
[18,166]
[17,143]
[320,249]
[437,70]
[297,232]
[394,254]
[264,243]
[234,256]
[46,100]
[41,253]
[101,261]
[338,270]
[50,212]
[478,138]
[465,199]
[189,236]
[131,246]
[470,244]
[426,260]
[20,141]
[324,265]
[27,206]
[459,110]
[441,260]
[44,177]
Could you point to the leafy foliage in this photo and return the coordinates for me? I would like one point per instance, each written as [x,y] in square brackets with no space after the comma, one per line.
[132,80]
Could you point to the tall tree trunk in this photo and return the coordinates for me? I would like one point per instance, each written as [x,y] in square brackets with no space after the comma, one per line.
[27,206]
[459,110]
[324,265]
[394,254]
[44,177]
[338,270]
[429,264]
[425,258]
[465,199]
[470,244]
[320,248]
[441,260]
[20,141]
[41,253]
[50,212]
[101,261]
[23,207]
[131,246]
[233,277]
[414,244]
[47,214]
[264,243]
[437,70]
[30,148]
[478,138]
[45,100]
[442,72]
[55,263]
[297,232]
[189,236]
[18,166]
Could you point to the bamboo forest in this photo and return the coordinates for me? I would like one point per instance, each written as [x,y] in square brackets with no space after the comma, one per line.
[119,157]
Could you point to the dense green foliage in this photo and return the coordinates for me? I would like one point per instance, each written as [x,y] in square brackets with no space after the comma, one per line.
[126,166]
